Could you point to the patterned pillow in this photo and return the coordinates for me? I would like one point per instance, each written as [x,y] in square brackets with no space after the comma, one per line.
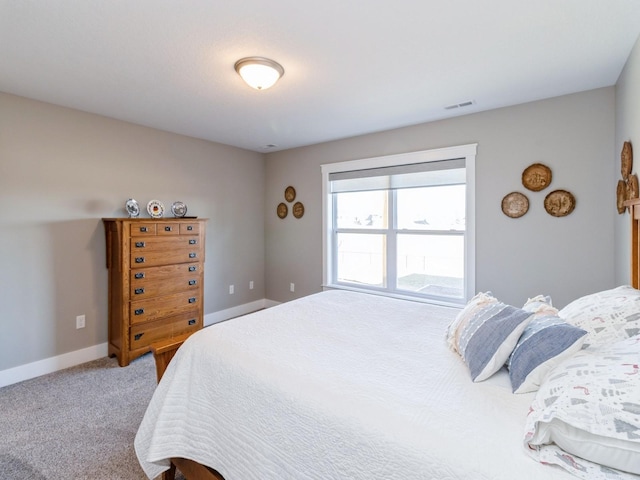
[607,316]
[484,334]
[471,308]
[586,415]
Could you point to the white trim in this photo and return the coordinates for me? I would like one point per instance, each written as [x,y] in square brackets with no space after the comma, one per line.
[237,311]
[52,364]
[71,359]
[470,229]
[461,151]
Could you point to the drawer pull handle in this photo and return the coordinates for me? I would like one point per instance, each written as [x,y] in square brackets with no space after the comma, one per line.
[139,275]
[139,291]
[192,268]
[167,229]
[192,242]
[139,311]
[192,255]
[192,321]
[143,229]
[189,227]
[139,259]
[138,336]
[192,282]
[140,244]
[192,300]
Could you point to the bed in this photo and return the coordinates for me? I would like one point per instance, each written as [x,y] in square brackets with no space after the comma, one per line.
[345,385]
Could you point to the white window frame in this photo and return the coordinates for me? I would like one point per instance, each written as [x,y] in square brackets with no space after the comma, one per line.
[468,152]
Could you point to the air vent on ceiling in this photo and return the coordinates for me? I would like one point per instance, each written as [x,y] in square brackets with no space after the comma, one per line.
[459,105]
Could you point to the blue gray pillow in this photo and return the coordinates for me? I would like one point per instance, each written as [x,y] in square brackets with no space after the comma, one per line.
[485,333]
[546,342]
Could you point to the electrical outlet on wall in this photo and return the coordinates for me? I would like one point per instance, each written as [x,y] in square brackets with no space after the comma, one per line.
[292,287]
[231,289]
[80,321]
[251,285]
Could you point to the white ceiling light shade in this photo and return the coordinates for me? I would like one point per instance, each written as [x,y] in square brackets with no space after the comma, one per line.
[259,73]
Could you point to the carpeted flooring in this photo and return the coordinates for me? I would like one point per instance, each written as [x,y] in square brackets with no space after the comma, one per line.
[77,424]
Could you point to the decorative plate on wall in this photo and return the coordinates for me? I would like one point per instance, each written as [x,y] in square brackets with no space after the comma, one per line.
[515,205]
[536,177]
[298,209]
[290,194]
[282,210]
[559,203]
[621,196]
[632,187]
[626,160]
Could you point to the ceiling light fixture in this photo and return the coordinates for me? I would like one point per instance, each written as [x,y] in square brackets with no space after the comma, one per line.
[259,73]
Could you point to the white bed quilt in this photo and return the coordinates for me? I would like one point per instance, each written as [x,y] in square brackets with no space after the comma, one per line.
[337,385]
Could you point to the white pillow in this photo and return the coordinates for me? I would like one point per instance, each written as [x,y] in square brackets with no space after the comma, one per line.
[484,334]
[587,413]
[607,316]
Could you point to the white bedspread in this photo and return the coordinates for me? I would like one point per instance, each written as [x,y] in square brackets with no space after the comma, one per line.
[337,385]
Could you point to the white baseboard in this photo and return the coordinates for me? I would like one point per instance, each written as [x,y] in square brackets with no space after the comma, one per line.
[52,364]
[234,312]
[60,362]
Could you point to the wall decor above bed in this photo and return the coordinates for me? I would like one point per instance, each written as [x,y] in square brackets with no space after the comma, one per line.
[515,204]
[632,187]
[559,203]
[536,177]
[627,188]
[626,160]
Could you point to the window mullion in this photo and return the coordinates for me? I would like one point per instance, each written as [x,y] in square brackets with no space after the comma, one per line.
[392,242]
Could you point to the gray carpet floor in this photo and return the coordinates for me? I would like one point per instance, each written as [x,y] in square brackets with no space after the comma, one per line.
[78,423]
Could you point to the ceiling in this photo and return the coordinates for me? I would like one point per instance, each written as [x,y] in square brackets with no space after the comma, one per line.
[351,67]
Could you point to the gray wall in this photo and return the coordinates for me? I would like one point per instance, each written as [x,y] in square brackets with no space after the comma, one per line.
[516,258]
[627,129]
[61,171]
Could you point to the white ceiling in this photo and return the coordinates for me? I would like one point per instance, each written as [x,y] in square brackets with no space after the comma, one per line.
[351,66]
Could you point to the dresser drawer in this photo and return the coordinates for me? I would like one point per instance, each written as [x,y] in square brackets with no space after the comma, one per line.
[142,336]
[157,281]
[189,228]
[168,228]
[169,305]
[161,258]
[143,230]
[164,244]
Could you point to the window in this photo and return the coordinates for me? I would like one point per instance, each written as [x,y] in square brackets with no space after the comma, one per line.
[402,225]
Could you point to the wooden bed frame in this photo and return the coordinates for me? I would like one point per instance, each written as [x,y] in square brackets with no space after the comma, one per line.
[164,352]
[634,207]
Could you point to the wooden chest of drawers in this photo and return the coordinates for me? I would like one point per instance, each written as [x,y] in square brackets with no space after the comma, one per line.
[155,282]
